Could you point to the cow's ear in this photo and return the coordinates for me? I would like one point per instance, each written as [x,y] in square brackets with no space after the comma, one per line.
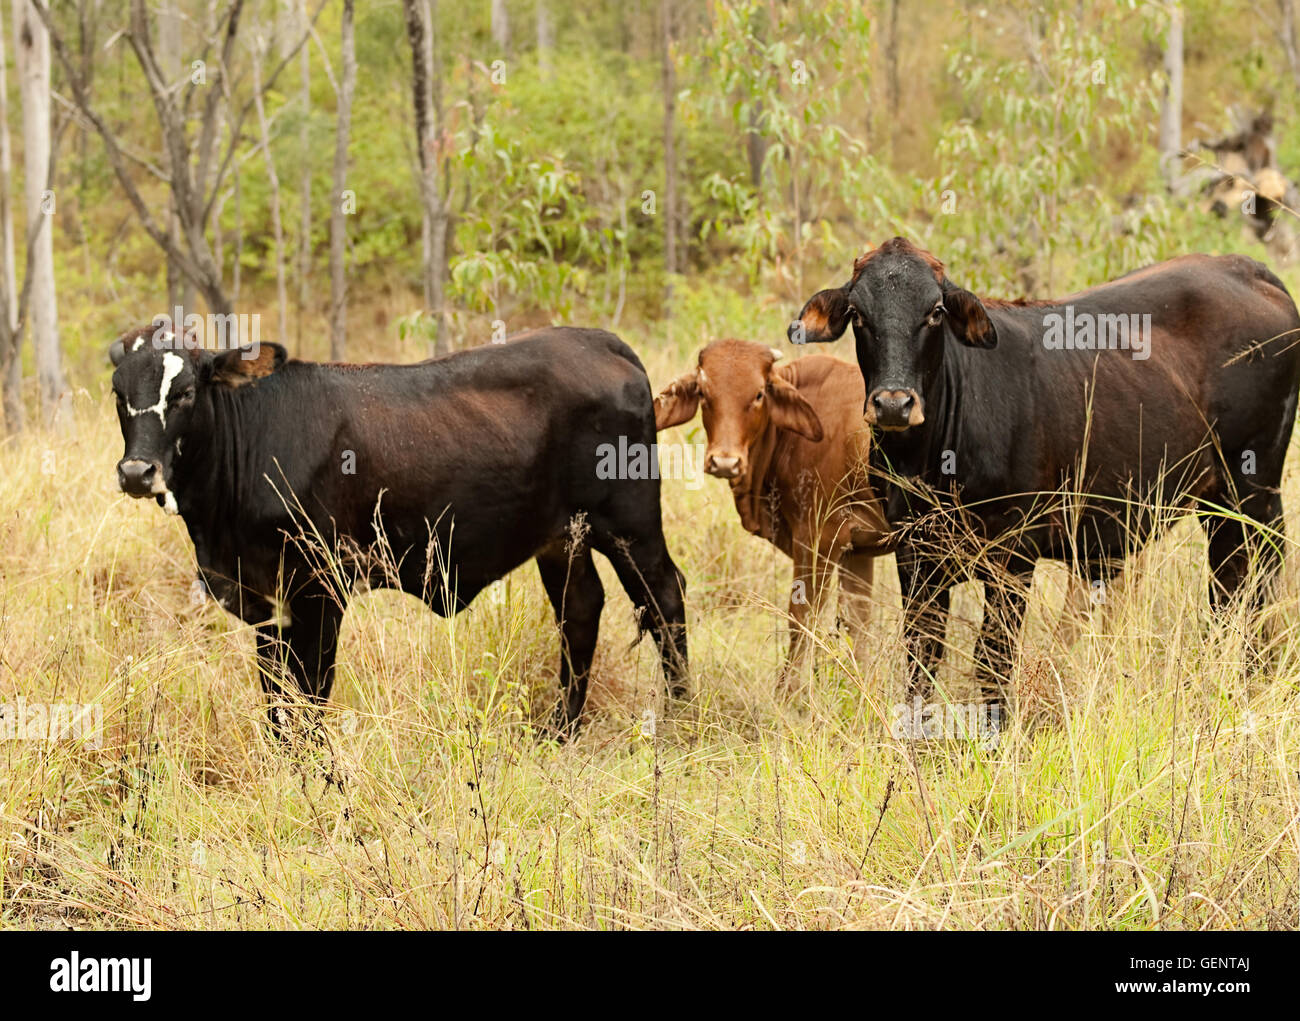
[967,317]
[790,410]
[824,318]
[247,363]
[678,401]
[116,351]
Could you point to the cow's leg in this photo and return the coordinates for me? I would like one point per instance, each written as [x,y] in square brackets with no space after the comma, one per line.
[313,639]
[577,597]
[271,669]
[658,592]
[1230,549]
[807,593]
[857,572]
[926,588]
[1232,545]
[1005,598]
[302,650]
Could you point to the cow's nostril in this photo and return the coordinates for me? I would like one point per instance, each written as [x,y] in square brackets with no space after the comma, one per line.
[896,409]
[723,466]
[136,477]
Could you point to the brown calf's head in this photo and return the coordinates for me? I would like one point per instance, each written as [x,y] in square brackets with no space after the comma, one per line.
[902,307]
[160,385]
[740,393]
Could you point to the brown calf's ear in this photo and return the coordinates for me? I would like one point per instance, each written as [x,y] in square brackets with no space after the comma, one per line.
[790,410]
[969,321]
[247,363]
[824,318]
[677,402]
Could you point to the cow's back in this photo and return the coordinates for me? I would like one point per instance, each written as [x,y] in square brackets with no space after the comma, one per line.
[463,465]
[1222,359]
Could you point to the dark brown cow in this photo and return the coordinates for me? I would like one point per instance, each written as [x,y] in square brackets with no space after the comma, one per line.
[299,482]
[791,441]
[1056,429]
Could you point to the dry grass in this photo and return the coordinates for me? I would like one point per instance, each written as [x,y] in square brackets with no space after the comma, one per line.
[1145,784]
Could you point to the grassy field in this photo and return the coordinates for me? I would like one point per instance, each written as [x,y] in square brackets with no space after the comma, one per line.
[1146,782]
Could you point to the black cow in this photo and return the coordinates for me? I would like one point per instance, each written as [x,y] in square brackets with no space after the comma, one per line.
[1051,429]
[298,480]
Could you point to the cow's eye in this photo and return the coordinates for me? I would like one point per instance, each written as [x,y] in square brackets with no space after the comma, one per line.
[184,395]
[758,397]
[855,315]
[936,317]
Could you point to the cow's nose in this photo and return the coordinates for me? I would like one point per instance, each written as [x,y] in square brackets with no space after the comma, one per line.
[136,476]
[896,409]
[724,466]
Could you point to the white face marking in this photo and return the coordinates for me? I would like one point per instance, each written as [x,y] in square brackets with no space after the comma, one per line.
[172,366]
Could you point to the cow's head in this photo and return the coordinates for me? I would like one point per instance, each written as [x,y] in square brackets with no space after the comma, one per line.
[158,384]
[903,308]
[740,392]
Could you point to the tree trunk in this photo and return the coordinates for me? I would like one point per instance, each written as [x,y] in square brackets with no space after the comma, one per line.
[894,88]
[1171,104]
[421,19]
[304,185]
[545,38]
[33,60]
[273,181]
[500,25]
[1286,33]
[180,292]
[338,218]
[11,362]
[670,150]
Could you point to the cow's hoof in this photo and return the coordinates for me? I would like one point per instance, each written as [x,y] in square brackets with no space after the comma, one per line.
[564,727]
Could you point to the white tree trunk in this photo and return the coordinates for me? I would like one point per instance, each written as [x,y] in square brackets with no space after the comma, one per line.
[11,362]
[304,185]
[338,219]
[500,24]
[172,58]
[421,19]
[545,37]
[273,181]
[670,147]
[32,50]
[1171,105]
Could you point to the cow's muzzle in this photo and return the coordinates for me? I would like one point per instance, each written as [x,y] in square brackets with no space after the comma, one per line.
[724,466]
[138,477]
[894,410]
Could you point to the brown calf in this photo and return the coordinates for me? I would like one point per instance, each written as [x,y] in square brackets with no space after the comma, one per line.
[791,441]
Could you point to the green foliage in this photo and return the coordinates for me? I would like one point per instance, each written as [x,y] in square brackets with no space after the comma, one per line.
[786,79]
[1027,162]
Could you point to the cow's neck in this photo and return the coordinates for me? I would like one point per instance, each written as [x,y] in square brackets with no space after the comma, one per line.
[749,492]
[919,453]
[210,474]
